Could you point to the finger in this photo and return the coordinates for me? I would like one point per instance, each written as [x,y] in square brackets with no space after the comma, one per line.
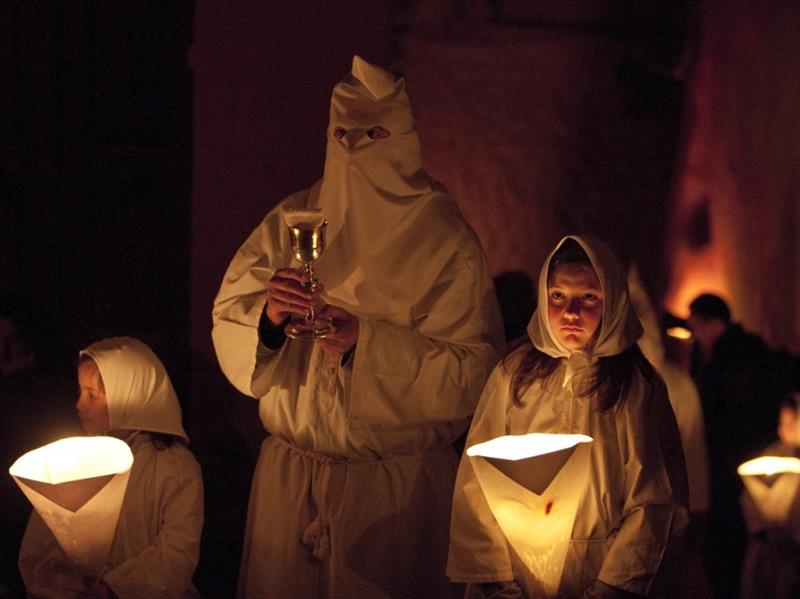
[278,311]
[289,298]
[291,273]
[289,287]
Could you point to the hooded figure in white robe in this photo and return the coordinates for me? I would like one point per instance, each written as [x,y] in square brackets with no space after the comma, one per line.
[683,396]
[352,491]
[633,501]
[156,544]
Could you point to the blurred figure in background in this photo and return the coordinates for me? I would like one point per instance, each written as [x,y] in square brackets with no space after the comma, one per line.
[772,558]
[685,401]
[741,382]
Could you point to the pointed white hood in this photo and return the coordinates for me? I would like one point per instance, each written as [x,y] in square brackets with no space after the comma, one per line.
[379,203]
[139,392]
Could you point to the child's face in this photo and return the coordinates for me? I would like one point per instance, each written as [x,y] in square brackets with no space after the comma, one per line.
[574,305]
[787,427]
[92,406]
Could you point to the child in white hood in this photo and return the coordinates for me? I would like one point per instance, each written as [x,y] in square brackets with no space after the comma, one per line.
[126,392]
[580,371]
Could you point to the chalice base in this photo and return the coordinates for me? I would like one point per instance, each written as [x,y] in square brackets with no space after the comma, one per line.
[306,328]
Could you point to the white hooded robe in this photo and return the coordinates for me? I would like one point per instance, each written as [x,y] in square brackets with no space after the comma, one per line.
[351,494]
[156,543]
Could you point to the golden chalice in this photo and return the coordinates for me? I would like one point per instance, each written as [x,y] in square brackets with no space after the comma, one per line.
[307,234]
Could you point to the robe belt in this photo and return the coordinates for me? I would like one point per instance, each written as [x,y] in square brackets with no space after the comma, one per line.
[317,534]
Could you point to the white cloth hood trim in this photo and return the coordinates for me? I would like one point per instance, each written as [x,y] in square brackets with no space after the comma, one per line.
[620,327]
[139,392]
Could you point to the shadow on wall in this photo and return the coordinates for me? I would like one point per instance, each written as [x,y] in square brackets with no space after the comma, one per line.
[516,293]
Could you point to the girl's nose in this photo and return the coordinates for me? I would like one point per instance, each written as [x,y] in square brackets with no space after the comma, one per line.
[573,306]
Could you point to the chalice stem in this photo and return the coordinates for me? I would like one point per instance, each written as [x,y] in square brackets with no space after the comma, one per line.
[312,285]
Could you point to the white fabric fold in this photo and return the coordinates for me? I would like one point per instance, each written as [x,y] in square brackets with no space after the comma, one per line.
[138,389]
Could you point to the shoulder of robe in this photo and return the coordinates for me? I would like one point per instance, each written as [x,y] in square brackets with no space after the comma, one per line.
[508,364]
[272,225]
[176,456]
[441,210]
[505,367]
[442,214]
[296,200]
[647,392]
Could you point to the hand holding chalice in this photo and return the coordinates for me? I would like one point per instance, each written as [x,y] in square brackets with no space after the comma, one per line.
[307,235]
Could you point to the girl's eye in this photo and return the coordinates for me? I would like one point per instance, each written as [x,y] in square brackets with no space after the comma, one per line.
[378,133]
[590,297]
[339,132]
[557,296]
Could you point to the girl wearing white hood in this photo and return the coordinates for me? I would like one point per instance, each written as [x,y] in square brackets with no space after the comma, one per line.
[581,372]
[126,392]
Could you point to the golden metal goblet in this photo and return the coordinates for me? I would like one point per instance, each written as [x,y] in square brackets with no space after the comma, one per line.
[307,234]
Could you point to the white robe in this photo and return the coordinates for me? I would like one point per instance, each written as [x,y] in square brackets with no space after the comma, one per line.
[156,544]
[361,451]
[351,495]
[628,509]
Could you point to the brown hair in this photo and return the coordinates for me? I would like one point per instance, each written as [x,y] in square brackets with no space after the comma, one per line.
[612,378]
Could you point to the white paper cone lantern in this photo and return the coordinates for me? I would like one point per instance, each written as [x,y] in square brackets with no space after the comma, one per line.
[773,483]
[77,486]
[533,484]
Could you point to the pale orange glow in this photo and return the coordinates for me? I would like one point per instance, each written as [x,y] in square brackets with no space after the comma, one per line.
[775,497]
[74,458]
[520,447]
[679,333]
[77,486]
[533,484]
[693,275]
[769,465]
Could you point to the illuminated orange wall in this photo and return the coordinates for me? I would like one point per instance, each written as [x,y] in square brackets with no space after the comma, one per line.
[742,161]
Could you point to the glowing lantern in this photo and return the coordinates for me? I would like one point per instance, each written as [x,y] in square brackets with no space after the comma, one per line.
[679,333]
[533,484]
[773,483]
[77,486]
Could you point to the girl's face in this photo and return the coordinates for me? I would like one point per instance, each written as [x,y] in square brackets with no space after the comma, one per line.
[788,427]
[574,305]
[92,405]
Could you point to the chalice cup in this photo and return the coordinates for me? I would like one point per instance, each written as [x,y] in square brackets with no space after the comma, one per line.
[308,242]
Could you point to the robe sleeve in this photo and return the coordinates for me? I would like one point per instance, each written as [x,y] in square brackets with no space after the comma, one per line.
[165,569]
[434,370]
[478,549]
[240,303]
[655,512]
